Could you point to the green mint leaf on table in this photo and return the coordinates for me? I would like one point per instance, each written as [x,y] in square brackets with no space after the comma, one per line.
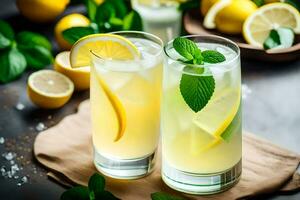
[4,42]
[164,196]
[76,193]
[6,30]
[105,12]
[120,8]
[211,56]
[37,57]
[196,90]
[91,9]
[75,33]
[133,21]
[27,38]
[12,64]
[96,184]
[279,38]
[259,2]
[186,48]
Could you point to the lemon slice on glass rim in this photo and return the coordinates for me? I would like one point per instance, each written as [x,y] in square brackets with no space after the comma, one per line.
[106,46]
[271,16]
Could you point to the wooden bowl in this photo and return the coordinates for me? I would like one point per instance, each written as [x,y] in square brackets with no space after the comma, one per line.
[193,25]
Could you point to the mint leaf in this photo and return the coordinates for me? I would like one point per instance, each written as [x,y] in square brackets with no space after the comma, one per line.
[279,38]
[188,5]
[272,40]
[164,196]
[76,193]
[233,127]
[211,56]
[133,21]
[120,8]
[105,11]
[259,2]
[91,9]
[6,30]
[30,39]
[12,64]
[4,42]
[196,90]
[37,57]
[96,184]
[75,33]
[186,48]
[105,195]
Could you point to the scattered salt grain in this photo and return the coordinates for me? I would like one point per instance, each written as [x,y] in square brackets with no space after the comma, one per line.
[9,155]
[246,91]
[2,140]
[40,127]
[20,106]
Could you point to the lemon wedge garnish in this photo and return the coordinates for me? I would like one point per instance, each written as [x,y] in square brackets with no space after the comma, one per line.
[106,46]
[79,76]
[49,89]
[215,118]
[271,16]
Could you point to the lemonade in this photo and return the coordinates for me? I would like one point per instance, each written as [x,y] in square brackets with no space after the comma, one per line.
[132,89]
[202,150]
[160,17]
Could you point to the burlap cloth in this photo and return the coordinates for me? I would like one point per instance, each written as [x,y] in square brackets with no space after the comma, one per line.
[66,150]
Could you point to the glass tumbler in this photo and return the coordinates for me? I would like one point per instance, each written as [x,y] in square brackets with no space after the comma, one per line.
[125,94]
[202,151]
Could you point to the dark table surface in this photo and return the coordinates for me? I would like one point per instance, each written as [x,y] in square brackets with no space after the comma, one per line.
[271,109]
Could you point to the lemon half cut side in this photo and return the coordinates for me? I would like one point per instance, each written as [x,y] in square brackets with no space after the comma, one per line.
[106,46]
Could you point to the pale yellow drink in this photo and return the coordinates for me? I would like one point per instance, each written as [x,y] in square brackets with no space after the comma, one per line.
[202,150]
[136,86]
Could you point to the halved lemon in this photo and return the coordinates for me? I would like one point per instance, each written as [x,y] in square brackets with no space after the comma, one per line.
[106,46]
[209,20]
[271,16]
[213,120]
[79,76]
[49,89]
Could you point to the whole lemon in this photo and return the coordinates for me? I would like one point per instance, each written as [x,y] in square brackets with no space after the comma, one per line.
[66,22]
[42,10]
[231,18]
[206,5]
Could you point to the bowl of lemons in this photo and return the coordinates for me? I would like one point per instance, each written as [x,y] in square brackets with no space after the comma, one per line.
[266,29]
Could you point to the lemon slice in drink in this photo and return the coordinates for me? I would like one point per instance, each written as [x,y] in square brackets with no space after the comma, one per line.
[49,89]
[212,121]
[271,16]
[106,46]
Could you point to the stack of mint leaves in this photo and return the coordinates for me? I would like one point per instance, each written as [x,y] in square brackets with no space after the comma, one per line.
[23,50]
[111,15]
[196,88]
[96,191]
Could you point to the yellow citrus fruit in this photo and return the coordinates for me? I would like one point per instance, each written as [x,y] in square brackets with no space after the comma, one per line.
[209,19]
[230,19]
[42,10]
[66,22]
[105,46]
[206,5]
[79,76]
[49,89]
[270,16]
[98,2]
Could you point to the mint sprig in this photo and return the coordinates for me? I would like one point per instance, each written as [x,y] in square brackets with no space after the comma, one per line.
[94,191]
[195,88]
[23,50]
[112,15]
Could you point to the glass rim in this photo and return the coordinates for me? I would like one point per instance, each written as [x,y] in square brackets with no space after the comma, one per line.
[205,65]
[151,36]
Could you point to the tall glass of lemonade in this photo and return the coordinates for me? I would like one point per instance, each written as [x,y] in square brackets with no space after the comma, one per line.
[202,150]
[125,98]
[160,17]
